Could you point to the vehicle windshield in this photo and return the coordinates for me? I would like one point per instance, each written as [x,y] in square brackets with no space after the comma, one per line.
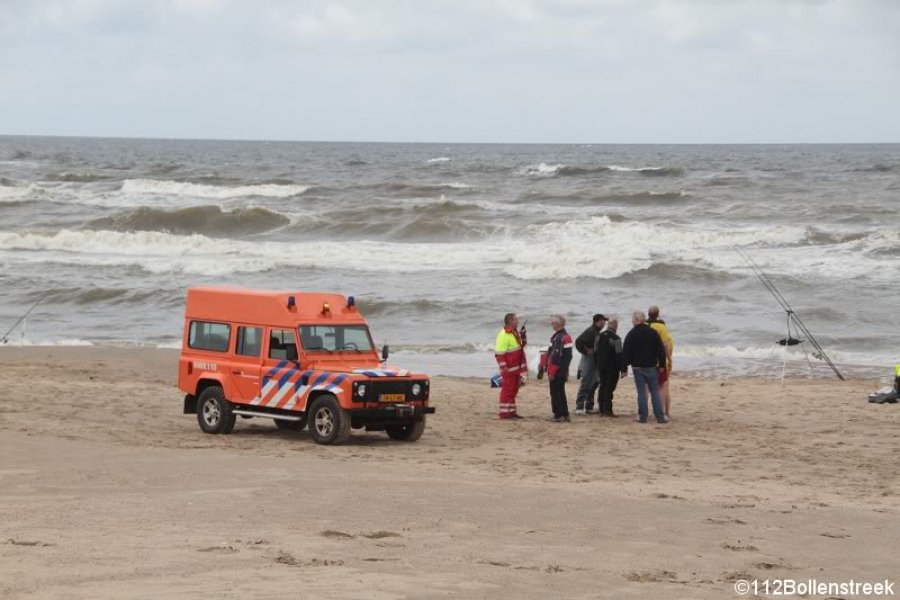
[335,338]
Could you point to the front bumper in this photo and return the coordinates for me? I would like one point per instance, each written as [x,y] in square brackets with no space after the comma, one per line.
[394,413]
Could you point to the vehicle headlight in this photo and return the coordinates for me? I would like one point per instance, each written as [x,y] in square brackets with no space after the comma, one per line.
[416,389]
[361,390]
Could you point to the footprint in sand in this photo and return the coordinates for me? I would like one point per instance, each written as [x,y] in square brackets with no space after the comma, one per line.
[747,548]
[651,576]
[377,535]
[330,533]
[725,521]
[219,549]
[27,543]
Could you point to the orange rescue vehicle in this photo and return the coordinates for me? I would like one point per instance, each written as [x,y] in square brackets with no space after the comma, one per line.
[299,358]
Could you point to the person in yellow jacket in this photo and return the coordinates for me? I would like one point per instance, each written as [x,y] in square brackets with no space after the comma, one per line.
[897,379]
[509,350]
[669,344]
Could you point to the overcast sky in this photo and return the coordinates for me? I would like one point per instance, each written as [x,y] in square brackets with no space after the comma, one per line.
[598,71]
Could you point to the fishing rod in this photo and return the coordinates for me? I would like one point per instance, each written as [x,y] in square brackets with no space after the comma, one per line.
[5,337]
[791,314]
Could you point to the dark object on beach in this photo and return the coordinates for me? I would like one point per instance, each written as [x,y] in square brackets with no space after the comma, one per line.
[885,395]
[791,341]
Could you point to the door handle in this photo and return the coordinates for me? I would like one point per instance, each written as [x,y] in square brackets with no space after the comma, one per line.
[236,372]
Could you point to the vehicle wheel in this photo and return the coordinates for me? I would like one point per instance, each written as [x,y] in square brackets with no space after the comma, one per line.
[214,411]
[291,425]
[407,432]
[328,422]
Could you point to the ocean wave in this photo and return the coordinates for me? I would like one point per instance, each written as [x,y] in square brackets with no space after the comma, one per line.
[419,190]
[197,190]
[70,177]
[445,220]
[356,162]
[84,296]
[541,170]
[552,251]
[461,348]
[877,168]
[820,236]
[30,342]
[439,159]
[379,306]
[18,194]
[208,220]
[20,155]
[552,170]
[650,171]
[779,353]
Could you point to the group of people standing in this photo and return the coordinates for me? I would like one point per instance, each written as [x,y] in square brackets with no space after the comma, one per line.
[605,358]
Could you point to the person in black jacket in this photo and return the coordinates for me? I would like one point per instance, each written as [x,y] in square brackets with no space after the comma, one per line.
[558,368]
[644,351]
[584,343]
[608,356]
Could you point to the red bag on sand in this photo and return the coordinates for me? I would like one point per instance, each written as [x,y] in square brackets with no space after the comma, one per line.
[663,375]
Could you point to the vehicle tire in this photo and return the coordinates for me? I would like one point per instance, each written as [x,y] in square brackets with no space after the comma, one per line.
[328,422]
[291,425]
[407,432]
[214,411]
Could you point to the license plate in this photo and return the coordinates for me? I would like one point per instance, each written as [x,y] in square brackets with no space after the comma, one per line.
[392,398]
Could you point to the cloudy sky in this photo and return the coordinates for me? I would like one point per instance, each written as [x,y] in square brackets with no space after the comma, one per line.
[599,71]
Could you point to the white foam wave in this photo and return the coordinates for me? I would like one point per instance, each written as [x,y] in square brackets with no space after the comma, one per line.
[551,251]
[439,159]
[27,342]
[10,194]
[197,190]
[541,170]
[781,353]
[633,169]
[458,185]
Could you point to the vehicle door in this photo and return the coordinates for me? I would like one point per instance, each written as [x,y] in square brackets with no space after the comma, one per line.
[280,373]
[245,370]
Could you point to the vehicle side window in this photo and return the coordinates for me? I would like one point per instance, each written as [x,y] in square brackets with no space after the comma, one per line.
[279,341]
[249,341]
[209,336]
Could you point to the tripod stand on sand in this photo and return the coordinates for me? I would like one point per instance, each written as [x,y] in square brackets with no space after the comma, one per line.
[793,321]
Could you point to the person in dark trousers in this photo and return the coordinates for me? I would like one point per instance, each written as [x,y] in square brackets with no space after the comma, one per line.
[584,343]
[558,368]
[644,351]
[608,355]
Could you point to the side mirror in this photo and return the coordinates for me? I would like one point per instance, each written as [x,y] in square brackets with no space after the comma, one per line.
[385,352]
[290,351]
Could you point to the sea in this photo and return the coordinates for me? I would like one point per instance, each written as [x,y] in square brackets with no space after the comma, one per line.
[100,238]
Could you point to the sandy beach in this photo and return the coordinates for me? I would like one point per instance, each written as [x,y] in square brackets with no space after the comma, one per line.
[108,491]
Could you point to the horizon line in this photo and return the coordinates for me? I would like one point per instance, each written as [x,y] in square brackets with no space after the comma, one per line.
[347,141]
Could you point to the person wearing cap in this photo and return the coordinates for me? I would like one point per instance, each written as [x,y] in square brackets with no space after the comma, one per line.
[509,350]
[584,343]
[558,361]
[665,373]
